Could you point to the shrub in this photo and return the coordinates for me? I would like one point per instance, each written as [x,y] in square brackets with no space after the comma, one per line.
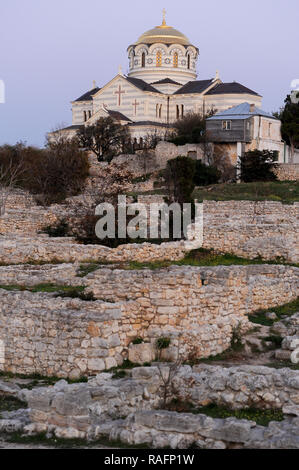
[205,175]
[162,343]
[191,129]
[257,165]
[61,229]
[236,339]
[138,341]
[179,176]
[51,174]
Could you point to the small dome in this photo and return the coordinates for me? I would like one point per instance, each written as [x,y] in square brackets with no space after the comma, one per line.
[163,34]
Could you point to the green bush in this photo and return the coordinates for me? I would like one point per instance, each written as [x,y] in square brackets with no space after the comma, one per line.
[205,175]
[138,341]
[257,165]
[61,229]
[179,176]
[163,343]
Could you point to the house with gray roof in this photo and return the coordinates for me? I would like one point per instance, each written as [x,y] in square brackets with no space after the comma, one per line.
[247,127]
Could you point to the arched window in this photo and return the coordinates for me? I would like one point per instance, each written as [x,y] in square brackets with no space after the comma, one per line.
[159,59]
[143,59]
[89,114]
[177,111]
[157,110]
[175,59]
[85,116]
[160,111]
[182,110]
[189,61]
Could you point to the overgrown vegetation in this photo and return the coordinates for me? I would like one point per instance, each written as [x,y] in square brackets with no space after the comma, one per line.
[8,403]
[289,116]
[258,165]
[286,192]
[205,175]
[191,129]
[162,343]
[85,269]
[39,380]
[236,339]
[60,229]
[179,177]
[262,417]
[288,309]
[107,138]
[51,174]
[204,257]
[74,292]
[138,340]
[276,341]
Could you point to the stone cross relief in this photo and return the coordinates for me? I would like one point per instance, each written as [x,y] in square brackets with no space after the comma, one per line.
[135,105]
[119,92]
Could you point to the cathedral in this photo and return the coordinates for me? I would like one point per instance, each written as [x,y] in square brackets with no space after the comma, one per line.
[161,86]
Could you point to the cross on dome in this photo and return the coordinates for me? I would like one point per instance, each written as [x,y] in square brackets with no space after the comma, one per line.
[164,17]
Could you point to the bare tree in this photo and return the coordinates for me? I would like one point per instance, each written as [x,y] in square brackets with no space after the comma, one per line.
[167,375]
[11,171]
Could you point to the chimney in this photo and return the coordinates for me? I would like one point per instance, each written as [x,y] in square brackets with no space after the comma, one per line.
[252,108]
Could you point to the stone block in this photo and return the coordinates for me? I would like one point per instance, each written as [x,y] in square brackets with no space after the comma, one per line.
[96,365]
[141,353]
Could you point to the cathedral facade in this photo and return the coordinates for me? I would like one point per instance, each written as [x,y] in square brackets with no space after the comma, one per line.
[161,87]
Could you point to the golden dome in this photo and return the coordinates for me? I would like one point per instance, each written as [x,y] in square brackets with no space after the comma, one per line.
[164,34]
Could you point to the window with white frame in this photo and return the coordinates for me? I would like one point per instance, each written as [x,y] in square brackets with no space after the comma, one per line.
[226,125]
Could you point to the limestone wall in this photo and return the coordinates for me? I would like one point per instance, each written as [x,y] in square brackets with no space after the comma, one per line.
[202,304]
[128,409]
[197,308]
[15,250]
[268,229]
[55,336]
[251,229]
[288,172]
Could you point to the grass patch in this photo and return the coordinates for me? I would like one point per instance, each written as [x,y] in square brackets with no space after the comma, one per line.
[204,257]
[85,269]
[288,309]
[142,178]
[11,403]
[38,380]
[282,365]
[276,340]
[90,267]
[49,288]
[73,292]
[286,192]
[261,417]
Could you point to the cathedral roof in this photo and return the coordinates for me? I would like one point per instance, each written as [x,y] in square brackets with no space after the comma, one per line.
[164,34]
[117,115]
[88,95]
[147,123]
[231,88]
[141,84]
[166,80]
[196,86]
